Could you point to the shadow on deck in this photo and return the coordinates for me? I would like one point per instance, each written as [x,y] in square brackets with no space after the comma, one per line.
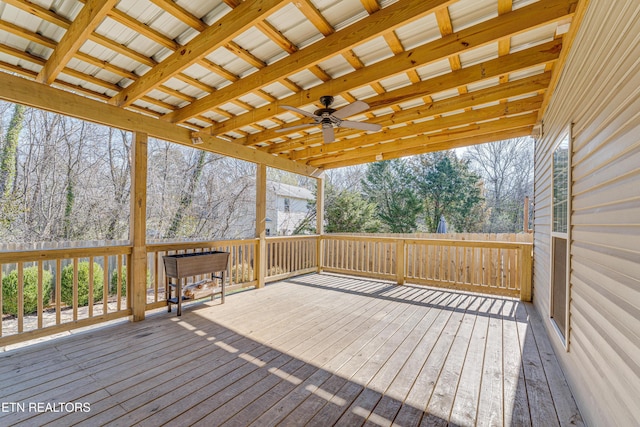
[313,350]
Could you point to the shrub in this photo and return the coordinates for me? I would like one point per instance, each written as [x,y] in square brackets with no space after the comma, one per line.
[113,288]
[30,290]
[275,270]
[66,289]
[241,273]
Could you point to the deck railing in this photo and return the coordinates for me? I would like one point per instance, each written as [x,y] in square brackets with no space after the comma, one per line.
[241,273]
[50,291]
[494,267]
[53,290]
[290,256]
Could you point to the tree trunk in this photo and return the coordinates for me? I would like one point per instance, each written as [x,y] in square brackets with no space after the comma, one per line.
[187,197]
[10,152]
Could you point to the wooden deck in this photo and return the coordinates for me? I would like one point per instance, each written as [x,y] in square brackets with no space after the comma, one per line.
[312,350]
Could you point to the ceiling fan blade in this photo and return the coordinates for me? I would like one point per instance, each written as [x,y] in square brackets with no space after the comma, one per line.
[299,111]
[290,128]
[360,125]
[327,134]
[351,109]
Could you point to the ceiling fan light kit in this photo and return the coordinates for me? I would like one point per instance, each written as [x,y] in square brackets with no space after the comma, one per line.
[328,118]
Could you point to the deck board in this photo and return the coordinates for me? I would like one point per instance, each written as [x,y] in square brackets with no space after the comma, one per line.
[314,350]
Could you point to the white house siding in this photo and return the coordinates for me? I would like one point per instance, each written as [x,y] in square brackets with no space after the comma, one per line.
[599,92]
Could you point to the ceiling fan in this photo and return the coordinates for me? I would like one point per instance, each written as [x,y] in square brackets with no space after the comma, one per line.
[329,117]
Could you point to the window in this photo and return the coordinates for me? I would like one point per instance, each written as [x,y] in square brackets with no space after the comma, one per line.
[560,216]
[287,205]
[561,186]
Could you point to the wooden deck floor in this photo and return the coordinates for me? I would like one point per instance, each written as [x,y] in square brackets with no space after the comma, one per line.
[315,350]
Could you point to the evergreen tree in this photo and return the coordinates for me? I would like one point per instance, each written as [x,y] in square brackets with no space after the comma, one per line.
[388,185]
[348,212]
[449,189]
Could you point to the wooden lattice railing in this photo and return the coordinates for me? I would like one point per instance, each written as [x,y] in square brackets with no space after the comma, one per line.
[50,291]
[54,290]
[495,267]
[241,273]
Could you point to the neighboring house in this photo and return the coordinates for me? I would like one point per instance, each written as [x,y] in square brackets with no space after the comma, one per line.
[287,207]
[587,216]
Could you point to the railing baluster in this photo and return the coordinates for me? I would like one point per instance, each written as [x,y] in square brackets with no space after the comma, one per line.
[105,288]
[1,302]
[75,289]
[40,294]
[20,302]
[90,291]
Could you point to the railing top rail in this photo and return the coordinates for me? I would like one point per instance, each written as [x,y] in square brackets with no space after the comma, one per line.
[155,247]
[296,237]
[493,244]
[435,242]
[65,253]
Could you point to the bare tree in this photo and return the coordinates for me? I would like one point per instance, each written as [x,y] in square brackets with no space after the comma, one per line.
[507,170]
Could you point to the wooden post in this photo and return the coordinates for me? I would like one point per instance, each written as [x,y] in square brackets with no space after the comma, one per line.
[525,216]
[319,221]
[261,223]
[137,271]
[400,261]
[525,272]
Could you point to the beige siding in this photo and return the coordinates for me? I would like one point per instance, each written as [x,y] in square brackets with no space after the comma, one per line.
[599,92]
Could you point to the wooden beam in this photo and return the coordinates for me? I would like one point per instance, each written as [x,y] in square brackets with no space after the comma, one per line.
[516,22]
[371,6]
[532,57]
[40,12]
[441,123]
[90,16]
[26,34]
[226,29]
[276,36]
[137,271]
[181,13]
[261,224]
[319,221]
[314,15]
[435,146]
[526,86]
[420,142]
[338,43]
[23,91]
[145,30]
[122,49]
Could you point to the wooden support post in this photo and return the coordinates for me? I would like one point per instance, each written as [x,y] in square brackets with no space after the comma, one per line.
[525,272]
[319,221]
[525,225]
[137,271]
[400,261]
[261,223]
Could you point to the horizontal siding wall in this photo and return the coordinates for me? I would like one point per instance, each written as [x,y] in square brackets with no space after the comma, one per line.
[599,92]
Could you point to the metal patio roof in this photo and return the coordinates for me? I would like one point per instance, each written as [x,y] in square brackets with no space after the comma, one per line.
[436,74]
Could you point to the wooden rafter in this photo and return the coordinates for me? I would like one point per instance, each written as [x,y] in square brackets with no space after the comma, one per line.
[531,16]
[17,89]
[529,85]
[340,42]
[422,141]
[429,144]
[236,22]
[87,20]
[409,94]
